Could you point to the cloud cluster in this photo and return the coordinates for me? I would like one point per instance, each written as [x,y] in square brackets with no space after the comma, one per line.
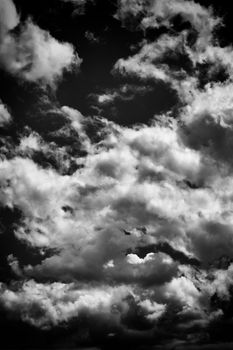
[133,177]
[46,305]
[157,13]
[177,58]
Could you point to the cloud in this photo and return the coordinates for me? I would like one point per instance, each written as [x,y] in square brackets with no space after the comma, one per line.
[33,54]
[143,63]
[211,241]
[139,176]
[5,116]
[135,176]
[184,291]
[30,142]
[128,8]
[48,305]
[134,259]
[154,309]
[210,123]
[133,235]
[9,18]
[172,57]
[14,264]
[159,13]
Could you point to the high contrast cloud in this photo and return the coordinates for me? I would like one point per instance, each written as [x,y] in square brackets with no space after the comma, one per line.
[32,53]
[117,234]
[46,305]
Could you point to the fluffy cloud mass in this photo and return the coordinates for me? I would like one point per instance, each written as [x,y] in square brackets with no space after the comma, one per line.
[131,225]
[32,53]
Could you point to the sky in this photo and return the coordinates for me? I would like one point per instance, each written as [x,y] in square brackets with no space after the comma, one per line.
[116,187]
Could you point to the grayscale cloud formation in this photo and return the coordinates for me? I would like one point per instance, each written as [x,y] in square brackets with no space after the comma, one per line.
[31,52]
[141,232]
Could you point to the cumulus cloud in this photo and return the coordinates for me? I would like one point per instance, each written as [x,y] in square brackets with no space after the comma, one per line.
[134,177]
[30,142]
[134,259]
[44,305]
[33,54]
[140,177]
[49,305]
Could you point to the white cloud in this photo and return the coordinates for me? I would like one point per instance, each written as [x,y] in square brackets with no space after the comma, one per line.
[9,18]
[172,177]
[34,54]
[5,116]
[137,175]
[51,304]
[158,13]
[150,62]
[153,309]
[30,142]
[14,264]
[106,98]
[135,260]
[208,121]
[131,178]
[145,63]
[184,291]
[77,122]
[47,305]
[127,7]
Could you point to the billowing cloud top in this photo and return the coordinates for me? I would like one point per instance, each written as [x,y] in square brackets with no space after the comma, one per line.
[116,230]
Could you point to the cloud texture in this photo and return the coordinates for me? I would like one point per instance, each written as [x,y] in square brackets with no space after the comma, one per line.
[30,52]
[132,224]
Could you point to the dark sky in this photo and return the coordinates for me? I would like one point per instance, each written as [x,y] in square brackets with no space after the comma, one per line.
[116,201]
